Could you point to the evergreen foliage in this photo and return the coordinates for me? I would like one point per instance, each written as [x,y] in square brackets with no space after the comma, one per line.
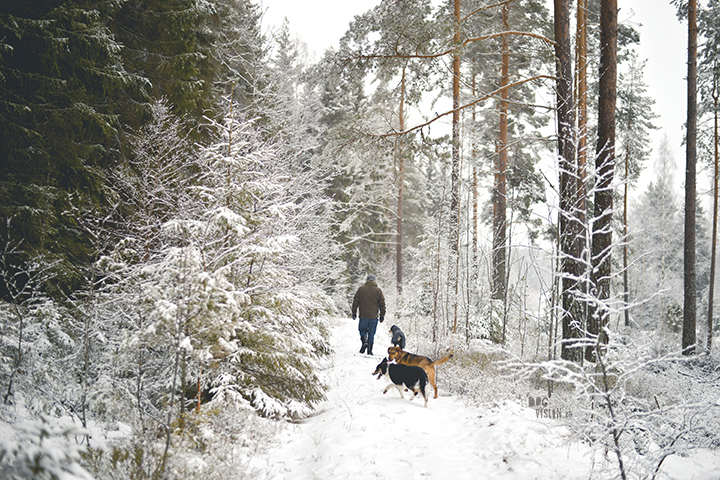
[239,50]
[212,273]
[59,67]
[169,44]
[529,57]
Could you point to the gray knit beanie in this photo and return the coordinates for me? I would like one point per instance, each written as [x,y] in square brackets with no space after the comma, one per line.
[371,278]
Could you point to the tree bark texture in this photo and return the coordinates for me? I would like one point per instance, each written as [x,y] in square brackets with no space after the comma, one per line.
[500,201]
[582,148]
[401,187]
[604,168]
[713,254]
[572,330]
[455,188]
[474,270]
[689,310]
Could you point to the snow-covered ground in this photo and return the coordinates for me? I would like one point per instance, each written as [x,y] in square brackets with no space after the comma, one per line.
[361,433]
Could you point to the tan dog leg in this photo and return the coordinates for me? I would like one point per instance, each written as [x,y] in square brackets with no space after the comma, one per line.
[431,377]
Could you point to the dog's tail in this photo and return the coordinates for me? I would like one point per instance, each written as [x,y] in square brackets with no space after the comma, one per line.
[441,360]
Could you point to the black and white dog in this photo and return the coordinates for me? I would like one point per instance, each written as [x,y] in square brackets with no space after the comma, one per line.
[413,378]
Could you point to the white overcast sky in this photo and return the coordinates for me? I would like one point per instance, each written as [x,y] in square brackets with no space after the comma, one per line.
[321,23]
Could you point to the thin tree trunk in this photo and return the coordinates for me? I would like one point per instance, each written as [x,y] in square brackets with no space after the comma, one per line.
[616,424]
[436,280]
[19,357]
[582,153]
[713,256]
[554,304]
[87,347]
[475,224]
[604,167]
[689,310]
[401,187]
[140,371]
[500,200]
[626,239]
[581,74]
[455,192]
[168,426]
[180,326]
[474,269]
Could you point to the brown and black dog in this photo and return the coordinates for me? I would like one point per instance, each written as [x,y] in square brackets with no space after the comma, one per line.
[405,358]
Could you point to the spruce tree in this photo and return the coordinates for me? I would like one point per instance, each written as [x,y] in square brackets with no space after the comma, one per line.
[169,44]
[59,68]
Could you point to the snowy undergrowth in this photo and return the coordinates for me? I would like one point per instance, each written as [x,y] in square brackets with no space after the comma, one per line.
[664,408]
[643,410]
[214,441]
[40,450]
[645,406]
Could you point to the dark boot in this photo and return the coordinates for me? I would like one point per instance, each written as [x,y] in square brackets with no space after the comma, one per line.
[363,339]
[369,348]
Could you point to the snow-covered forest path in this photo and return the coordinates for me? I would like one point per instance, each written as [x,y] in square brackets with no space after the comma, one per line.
[360,433]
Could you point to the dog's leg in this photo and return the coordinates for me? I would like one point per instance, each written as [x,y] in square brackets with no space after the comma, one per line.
[388,387]
[400,390]
[414,389]
[431,377]
[421,390]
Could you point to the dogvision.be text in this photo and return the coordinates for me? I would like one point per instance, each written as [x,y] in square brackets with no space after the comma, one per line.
[543,409]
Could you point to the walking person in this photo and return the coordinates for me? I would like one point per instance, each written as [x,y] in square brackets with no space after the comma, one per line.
[369,304]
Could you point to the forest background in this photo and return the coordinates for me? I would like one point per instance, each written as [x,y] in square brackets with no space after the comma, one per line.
[187,200]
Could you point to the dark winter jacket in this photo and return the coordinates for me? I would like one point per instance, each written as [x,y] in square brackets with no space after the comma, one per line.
[398,337]
[370,301]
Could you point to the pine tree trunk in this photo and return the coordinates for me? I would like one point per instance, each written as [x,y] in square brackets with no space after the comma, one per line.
[401,187]
[604,167]
[455,188]
[582,153]
[473,272]
[713,254]
[571,327]
[500,200]
[689,310]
